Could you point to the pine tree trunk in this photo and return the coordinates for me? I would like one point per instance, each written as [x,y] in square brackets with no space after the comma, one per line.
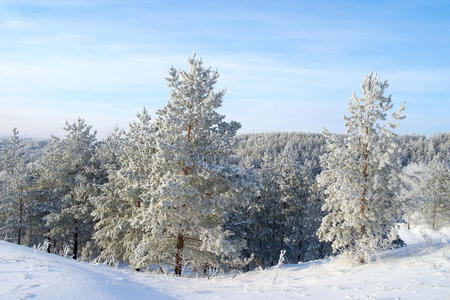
[19,234]
[30,232]
[434,213]
[365,154]
[364,188]
[262,260]
[178,254]
[75,242]
[189,131]
[409,221]
[49,245]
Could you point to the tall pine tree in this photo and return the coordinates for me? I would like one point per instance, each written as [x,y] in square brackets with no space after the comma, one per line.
[360,176]
[196,182]
[14,184]
[68,173]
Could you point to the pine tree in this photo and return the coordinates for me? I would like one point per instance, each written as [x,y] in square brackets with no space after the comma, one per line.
[415,177]
[68,174]
[437,191]
[360,176]
[108,208]
[196,183]
[14,182]
[127,160]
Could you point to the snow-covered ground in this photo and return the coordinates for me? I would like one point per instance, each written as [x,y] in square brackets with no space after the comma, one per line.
[419,271]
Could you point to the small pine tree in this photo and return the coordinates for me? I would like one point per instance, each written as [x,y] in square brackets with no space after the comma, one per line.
[437,192]
[360,176]
[415,177]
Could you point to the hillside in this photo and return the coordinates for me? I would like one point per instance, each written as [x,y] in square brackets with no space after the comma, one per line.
[419,271]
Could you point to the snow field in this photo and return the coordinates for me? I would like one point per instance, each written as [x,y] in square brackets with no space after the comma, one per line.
[419,271]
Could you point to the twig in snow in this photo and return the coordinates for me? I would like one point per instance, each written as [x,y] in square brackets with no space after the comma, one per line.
[280,262]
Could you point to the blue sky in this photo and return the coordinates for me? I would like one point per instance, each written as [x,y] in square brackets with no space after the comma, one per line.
[286,65]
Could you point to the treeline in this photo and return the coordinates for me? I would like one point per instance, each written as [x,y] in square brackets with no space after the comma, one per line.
[183,191]
[284,161]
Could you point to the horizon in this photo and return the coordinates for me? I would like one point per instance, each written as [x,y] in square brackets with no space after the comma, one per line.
[287,67]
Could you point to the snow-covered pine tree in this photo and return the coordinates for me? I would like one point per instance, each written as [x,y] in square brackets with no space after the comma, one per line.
[436,207]
[20,209]
[14,185]
[360,176]
[68,175]
[128,162]
[196,182]
[415,177]
[108,208]
[35,205]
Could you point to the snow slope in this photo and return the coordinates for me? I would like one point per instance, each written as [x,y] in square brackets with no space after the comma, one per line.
[419,271]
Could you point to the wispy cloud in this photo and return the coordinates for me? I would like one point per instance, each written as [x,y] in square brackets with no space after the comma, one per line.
[16,25]
[286,65]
